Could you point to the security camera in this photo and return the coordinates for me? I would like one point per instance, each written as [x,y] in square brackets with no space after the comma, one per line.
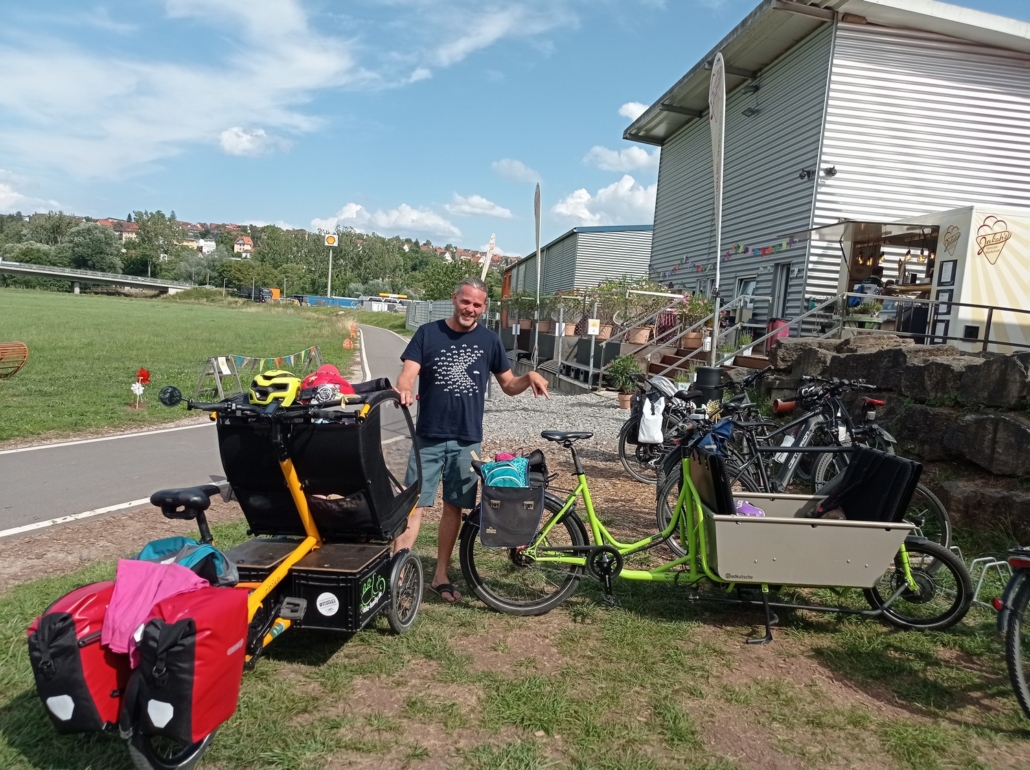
[830,171]
[805,174]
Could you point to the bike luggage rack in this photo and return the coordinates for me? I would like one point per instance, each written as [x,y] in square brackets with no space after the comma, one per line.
[983,565]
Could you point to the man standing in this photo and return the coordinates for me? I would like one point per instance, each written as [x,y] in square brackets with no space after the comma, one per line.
[453,359]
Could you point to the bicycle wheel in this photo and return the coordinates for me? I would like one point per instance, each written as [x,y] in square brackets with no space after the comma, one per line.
[639,460]
[154,753]
[406,586]
[1016,647]
[942,597]
[668,496]
[924,507]
[510,581]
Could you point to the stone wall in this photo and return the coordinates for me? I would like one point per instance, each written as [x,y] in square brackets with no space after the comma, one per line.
[944,406]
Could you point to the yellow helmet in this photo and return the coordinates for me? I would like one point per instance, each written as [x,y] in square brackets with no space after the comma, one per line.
[275,384]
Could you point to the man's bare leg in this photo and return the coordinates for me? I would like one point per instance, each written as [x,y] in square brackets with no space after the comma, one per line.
[450,524]
[406,539]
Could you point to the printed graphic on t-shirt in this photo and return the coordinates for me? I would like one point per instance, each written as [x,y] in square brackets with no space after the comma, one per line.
[451,369]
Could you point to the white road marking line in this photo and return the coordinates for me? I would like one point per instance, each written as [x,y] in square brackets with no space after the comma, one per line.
[364,356]
[73,517]
[104,438]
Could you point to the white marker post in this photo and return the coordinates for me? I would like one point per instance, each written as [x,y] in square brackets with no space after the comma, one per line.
[717,122]
[536,325]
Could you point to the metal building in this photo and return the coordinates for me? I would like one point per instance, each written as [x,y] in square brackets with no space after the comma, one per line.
[857,109]
[582,257]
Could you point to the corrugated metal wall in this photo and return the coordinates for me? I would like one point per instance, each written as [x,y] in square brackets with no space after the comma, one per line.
[763,198]
[600,256]
[556,270]
[917,123]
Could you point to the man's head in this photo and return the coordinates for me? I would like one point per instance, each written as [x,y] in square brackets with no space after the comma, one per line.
[469,300]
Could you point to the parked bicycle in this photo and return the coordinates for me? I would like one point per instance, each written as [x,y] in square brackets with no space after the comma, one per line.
[1014,622]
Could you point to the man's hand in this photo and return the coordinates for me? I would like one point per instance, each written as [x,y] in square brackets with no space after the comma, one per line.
[406,382]
[407,399]
[539,385]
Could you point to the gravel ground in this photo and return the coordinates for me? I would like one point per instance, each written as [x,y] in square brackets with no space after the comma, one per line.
[517,422]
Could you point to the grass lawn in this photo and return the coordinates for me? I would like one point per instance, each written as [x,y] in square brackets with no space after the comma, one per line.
[660,682]
[84,352]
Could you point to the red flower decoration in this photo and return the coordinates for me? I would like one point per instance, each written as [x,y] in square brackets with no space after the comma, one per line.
[143,376]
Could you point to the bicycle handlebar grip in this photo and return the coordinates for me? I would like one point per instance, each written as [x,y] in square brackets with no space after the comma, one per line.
[780,406]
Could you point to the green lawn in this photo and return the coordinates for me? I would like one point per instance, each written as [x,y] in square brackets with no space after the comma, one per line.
[84,352]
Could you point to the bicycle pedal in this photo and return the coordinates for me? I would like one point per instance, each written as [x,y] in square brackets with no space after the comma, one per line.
[611,601]
[293,608]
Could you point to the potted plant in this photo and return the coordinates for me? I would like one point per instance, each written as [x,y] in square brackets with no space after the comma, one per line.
[621,375]
[725,350]
[545,325]
[641,310]
[744,342]
[568,308]
[866,313]
[694,309]
[524,304]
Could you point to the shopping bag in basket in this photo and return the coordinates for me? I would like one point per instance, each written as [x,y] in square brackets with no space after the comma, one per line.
[509,516]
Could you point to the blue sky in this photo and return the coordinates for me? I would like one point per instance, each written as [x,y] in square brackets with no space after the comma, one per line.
[411,117]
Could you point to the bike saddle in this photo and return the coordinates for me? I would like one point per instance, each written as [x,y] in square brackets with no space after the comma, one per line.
[565,435]
[688,395]
[191,501]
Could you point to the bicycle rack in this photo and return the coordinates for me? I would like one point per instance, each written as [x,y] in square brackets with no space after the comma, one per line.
[983,565]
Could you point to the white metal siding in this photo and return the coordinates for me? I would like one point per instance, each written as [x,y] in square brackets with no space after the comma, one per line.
[917,123]
[763,198]
[600,256]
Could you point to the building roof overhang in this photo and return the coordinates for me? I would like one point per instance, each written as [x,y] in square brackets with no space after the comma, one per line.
[776,26]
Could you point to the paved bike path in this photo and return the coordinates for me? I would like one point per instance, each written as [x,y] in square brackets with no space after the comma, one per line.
[48,482]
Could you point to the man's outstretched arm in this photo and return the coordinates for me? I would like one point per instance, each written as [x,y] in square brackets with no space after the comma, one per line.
[513,385]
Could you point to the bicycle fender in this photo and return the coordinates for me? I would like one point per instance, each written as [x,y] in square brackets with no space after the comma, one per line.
[1011,589]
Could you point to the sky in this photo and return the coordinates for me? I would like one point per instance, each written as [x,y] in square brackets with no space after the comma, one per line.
[422,118]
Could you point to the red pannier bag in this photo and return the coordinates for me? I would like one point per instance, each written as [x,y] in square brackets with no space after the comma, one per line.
[80,683]
[191,652]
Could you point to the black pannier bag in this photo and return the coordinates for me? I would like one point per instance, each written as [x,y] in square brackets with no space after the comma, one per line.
[510,516]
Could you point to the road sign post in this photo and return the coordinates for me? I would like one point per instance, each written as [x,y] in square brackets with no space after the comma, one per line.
[330,240]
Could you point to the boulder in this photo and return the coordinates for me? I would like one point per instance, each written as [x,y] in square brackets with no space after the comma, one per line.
[936,380]
[998,443]
[865,343]
[923,430]
[976,504]
[812,362]
[1000,381]
[789,348]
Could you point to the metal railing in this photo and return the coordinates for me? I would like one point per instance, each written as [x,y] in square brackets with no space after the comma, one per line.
[73,272]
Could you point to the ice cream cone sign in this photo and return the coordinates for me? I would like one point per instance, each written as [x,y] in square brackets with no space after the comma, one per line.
[991,238]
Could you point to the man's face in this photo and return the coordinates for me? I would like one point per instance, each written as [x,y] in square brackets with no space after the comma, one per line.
[469,304]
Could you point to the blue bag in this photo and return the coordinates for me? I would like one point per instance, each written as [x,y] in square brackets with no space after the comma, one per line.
[204,559]
[506,473]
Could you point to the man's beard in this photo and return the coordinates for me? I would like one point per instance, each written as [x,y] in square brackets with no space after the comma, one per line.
[466,322]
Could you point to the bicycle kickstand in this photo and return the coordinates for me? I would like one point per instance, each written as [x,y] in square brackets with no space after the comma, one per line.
[768,619]
[609,594]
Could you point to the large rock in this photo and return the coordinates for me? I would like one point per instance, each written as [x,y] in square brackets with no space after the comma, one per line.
[866,343]
[977,504]
[885,366]
[998,443]
[922,431]
[1000,381]
[936,380]
[812,362]
[788,349]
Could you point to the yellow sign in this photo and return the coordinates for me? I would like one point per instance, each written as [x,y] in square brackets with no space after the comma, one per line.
[331,240]
[593,327]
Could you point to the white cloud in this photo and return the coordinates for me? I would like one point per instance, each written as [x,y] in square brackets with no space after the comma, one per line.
[630,159]
[499,250]
[253,142]
[12,200]
[632,110]
[477,205]
[472,31]
[626,202]
[280,223]
[420,73]
[515,170]
[403,220]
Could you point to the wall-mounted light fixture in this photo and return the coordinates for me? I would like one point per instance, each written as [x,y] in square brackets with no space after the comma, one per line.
[806,173]
[830,171]
[750,112]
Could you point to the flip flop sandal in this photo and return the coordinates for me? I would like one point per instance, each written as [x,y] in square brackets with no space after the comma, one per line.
[447,588]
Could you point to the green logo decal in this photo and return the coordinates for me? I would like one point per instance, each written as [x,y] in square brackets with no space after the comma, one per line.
[372,591]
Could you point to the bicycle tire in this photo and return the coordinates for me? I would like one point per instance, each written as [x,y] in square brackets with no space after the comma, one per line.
[924,503]
[406,586]
[491,573]
[145,756]
[1015,647]
[629,454]
[949,582]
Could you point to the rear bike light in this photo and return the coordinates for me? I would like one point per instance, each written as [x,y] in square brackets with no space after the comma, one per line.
[996,603]
[1019,562]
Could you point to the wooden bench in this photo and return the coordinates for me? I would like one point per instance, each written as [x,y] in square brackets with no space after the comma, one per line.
[13,356]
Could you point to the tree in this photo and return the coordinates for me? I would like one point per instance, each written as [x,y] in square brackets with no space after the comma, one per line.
[94,247]
[439,279]
[49,229]
[129,218]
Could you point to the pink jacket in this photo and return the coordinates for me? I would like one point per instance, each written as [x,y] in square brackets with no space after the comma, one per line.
[138,586]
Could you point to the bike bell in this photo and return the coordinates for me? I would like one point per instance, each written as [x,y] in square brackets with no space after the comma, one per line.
[274,385]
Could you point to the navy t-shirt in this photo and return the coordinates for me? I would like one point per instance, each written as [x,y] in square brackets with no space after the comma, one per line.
[455,367]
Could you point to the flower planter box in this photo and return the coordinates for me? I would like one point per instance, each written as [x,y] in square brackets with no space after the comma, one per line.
[638,336]
[692,341]
[526,323]
[751,362]
[570,330]
[544,327]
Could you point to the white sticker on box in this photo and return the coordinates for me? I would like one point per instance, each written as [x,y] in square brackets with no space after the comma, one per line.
[327,604]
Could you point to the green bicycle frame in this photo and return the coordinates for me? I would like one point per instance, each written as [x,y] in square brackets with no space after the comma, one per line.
[687,517]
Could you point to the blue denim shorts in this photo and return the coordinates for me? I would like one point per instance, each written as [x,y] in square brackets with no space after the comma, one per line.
[451,461]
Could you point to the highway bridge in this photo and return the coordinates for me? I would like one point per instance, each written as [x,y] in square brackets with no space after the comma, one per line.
[78,277]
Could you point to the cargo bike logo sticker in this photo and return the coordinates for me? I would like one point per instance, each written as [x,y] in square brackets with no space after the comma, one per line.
[327,604]
[372,591]
[991,238]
